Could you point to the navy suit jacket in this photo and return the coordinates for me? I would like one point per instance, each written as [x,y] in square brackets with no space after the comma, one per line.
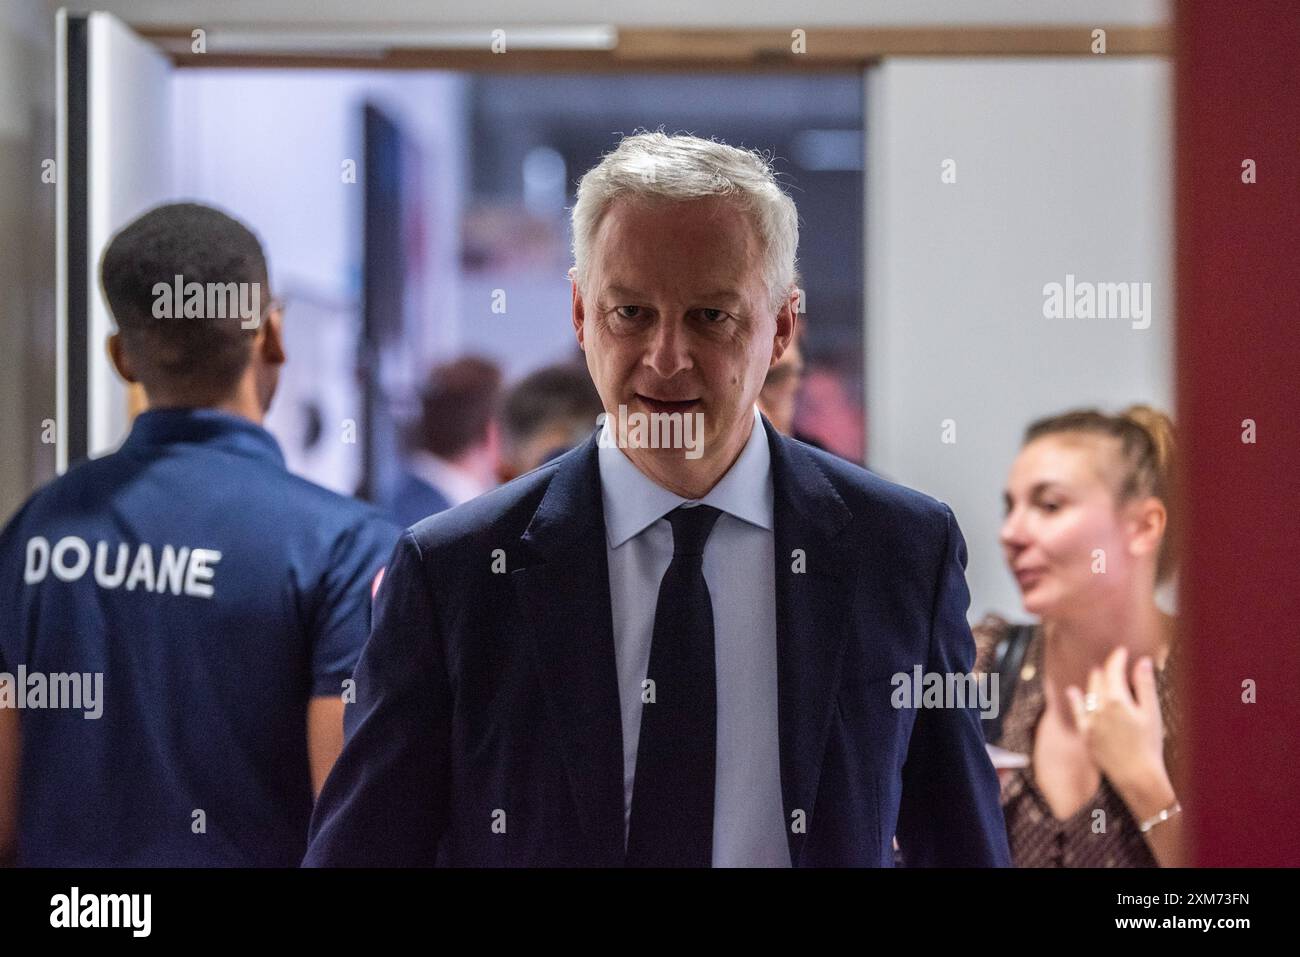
[487,732]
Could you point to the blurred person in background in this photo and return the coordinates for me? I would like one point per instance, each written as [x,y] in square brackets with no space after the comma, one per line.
[547,413]
[455,445]
[828,412]
[782,400]
[1087,694]
[780,389]
[211,603]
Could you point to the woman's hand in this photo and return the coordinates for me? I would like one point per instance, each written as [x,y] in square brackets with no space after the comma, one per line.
[1124,732]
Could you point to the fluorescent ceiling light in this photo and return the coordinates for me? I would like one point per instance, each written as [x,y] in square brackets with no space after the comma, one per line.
[305,42]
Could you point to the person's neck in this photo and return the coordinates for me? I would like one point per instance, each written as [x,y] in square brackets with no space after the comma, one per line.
[1078,641]
[691,478]
[248,410]
[242,402]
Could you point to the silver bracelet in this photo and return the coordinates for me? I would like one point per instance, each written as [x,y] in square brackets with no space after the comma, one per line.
[1164,815]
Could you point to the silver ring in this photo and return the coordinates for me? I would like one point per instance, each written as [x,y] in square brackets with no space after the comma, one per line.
[1090,702]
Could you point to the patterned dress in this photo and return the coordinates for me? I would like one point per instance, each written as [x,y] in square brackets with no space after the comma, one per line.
[1086,839]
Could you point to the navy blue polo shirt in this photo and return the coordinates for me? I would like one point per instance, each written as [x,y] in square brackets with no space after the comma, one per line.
[166,613]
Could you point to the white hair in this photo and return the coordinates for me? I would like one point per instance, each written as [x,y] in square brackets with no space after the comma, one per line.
[657,166]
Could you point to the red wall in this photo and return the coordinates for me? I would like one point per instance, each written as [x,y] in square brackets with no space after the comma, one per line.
[1238,269]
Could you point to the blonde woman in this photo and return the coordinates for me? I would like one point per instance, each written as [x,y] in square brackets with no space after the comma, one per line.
[1087,692]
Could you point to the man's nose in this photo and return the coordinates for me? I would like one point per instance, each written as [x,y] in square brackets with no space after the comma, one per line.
[668,353]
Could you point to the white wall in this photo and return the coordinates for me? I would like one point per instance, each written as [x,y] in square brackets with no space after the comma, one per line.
[1063,166]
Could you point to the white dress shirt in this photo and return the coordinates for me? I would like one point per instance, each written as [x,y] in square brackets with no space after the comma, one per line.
[455,484]
[749,816]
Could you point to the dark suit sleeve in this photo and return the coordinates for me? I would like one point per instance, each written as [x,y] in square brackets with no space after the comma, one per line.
[386,801]
[951,813]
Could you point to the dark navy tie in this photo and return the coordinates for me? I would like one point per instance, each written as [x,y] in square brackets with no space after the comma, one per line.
[672,794]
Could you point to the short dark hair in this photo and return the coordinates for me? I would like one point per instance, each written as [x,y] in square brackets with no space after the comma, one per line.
[554,395]
[459,401]
[201,358]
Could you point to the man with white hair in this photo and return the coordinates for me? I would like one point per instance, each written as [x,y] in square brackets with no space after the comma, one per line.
[678,643]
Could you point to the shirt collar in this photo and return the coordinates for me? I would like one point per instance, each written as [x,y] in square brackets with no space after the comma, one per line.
[203,426]
[633,502]
[457,485]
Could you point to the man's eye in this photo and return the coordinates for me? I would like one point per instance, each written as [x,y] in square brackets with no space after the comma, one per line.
[635,311]
[713,315]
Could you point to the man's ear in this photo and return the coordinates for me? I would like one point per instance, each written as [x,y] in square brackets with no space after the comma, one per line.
[269,344]
[787,318]
[579,308]
[121,362]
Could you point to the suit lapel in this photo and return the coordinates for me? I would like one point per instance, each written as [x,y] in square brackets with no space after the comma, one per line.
[564,603]
[813,618]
